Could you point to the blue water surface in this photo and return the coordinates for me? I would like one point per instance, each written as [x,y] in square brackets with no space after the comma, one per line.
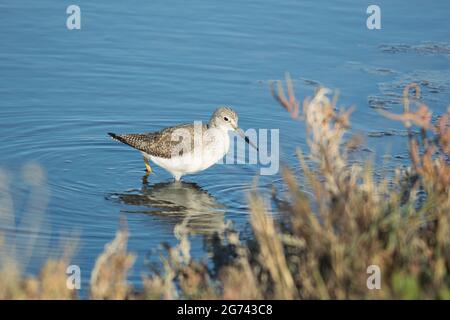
[138,66]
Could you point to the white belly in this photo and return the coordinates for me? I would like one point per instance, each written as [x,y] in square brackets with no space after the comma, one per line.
[213,147]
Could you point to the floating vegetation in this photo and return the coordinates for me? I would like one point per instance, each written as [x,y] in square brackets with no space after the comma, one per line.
[433,84]
[426,48]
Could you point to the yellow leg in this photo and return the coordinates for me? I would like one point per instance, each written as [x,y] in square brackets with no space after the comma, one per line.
[147,166]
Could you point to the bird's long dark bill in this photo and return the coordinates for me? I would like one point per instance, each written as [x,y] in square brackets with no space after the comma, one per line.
[242,134]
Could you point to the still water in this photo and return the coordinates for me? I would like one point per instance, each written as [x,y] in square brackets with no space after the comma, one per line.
[139,66]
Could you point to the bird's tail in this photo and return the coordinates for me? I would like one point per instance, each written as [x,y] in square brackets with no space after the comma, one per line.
[136,141]
[120,138]
[116,137]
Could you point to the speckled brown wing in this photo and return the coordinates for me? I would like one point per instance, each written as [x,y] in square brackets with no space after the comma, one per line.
[159,144]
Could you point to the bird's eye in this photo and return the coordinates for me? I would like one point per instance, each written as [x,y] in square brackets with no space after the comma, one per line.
[225,118]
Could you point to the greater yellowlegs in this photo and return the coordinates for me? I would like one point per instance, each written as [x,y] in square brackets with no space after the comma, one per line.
[187,148]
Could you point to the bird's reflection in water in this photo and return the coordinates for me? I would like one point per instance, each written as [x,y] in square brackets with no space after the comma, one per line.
[181,203]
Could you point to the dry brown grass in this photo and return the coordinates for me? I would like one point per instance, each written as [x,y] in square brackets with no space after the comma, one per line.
[50,284]
[109,276]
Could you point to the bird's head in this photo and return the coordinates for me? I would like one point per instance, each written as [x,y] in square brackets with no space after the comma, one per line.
[225,118]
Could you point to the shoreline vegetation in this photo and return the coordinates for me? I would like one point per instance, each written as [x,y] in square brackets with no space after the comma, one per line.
[321,245]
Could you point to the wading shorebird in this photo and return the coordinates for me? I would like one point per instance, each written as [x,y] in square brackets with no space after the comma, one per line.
[187,148]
